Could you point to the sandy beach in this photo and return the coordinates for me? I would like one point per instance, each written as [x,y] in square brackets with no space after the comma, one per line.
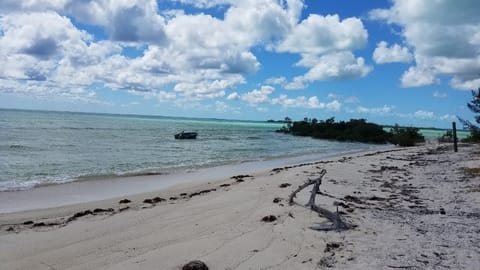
[408,208]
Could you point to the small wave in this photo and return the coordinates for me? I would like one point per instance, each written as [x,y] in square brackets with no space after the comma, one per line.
[30,184]
[253,138]
[18,147]
[117,175]
[142,174]
[45,180]
[75,128]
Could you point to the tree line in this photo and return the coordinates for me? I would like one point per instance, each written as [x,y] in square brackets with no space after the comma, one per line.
[355,130]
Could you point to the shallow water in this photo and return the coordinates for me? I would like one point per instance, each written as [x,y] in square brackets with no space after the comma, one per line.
[40,148]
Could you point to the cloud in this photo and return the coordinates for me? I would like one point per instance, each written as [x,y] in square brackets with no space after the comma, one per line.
[40,35]
[338,66]
[438,94]
[125,21]
[318,35]
[428,116]
[276,80]
[46,49]
[46,46]
[307,103]
[263,95]
[258,96]
[394,54]
[221,106]
[465,83]
[296,84]
[259,22]
[207,89]
[233,96]
[444,36]
[448,117]
[350,99]
[8,6]
[325,44]
[35,75]
[205,3]
[415,77]
[332,96]
[49,91]
[424,114]
[42,48]
[161,96]
[375,111]
[334,66]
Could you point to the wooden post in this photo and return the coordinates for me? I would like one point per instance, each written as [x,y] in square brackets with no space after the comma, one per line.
[455,139]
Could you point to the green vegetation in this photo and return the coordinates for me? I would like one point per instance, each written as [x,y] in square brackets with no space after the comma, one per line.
[474,137]
[355,130]
[286,120]
[405,136]
[474,106]
[447,137]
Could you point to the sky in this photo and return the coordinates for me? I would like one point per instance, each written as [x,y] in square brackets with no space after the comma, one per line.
[400,61]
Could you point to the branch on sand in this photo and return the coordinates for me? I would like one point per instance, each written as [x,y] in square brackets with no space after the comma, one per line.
[335,221]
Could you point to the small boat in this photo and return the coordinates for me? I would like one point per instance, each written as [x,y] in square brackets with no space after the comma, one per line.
[186,135]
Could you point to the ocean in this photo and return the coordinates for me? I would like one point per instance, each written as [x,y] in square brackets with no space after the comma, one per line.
[40,148]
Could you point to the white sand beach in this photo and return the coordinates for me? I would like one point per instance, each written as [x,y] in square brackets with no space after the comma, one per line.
[409,208]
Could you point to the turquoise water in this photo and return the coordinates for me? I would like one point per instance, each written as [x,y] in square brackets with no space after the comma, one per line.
[40,148]
[433,134]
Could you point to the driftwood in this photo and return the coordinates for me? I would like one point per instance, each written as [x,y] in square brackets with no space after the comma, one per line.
[306,184]
[335,221]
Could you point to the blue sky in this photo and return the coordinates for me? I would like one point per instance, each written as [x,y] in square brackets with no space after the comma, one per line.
[401,61]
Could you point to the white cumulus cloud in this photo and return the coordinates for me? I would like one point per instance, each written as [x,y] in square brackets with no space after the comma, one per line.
[393,54]
[46,48]
[424,114]
[258,96]
[376,111]
[438,94]
[415,76]
[320,35]
[335,66]
[444,37]
[326,44]
[307,103]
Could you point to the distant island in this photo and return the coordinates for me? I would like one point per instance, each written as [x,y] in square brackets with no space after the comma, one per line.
[286,120]
[355,130]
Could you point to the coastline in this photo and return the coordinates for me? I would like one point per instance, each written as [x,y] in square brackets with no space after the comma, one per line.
[412,208]
[100,189]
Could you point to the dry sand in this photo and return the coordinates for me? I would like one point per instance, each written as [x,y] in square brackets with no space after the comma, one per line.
[412,208]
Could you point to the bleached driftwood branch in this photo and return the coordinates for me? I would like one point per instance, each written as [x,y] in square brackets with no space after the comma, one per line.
[306,184]
[336,223]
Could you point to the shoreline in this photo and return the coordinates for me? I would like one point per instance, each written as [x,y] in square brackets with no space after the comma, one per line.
[414,208]
[105,188]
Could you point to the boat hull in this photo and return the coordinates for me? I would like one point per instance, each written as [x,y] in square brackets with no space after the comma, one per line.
[186,136]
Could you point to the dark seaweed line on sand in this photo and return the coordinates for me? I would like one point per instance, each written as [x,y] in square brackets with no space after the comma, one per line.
[151,202]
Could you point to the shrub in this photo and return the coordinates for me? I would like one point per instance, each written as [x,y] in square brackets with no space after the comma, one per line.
[357,130]
[474,136]
[405,136]
[447,137]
